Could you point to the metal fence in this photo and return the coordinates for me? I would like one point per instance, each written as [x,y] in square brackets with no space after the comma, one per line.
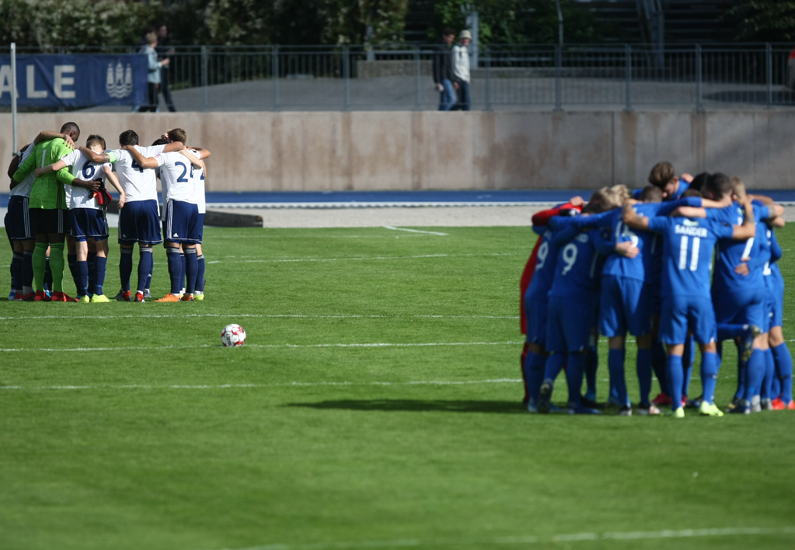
[715,76]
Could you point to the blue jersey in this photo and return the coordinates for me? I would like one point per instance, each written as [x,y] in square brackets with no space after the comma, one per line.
[546,259]
[683,186]
[687,253]
[731,252]
[579,267]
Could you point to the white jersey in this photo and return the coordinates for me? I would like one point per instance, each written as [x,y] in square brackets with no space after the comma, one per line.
[139,184]
[81,167]
[175,177]
[22,189]
[197,175]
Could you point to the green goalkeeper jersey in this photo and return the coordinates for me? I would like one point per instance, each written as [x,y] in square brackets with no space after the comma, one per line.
[47,191]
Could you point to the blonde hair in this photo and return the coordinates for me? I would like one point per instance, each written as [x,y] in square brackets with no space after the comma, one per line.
[151,38]
[738,187]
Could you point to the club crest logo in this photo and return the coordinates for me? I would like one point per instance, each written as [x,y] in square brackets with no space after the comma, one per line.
[119,83]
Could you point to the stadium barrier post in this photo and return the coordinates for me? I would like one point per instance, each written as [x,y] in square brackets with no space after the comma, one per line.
[699,105]
[275,75]
[628,55]
[346,72]
[558,89]
[204,75]
[769,70]
[14,94]
[417,71]
[488,78]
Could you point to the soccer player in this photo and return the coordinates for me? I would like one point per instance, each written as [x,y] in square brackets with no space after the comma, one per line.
[687,258]
[573,303]
[180,218]
[777,344]
[47,208]
[19,230]
[138,220]
[88,224]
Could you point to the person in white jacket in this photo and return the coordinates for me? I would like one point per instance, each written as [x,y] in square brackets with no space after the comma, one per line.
[461,71]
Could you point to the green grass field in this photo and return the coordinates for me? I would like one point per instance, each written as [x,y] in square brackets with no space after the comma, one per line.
[376,404]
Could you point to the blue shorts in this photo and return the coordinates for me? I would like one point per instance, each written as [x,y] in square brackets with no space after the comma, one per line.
[774,304]
[17,220]
[181,222]
[625,305]
[571,326]
[201,227]
[741,308]
[536,305]
[85,223]
[683,313]
[139,222]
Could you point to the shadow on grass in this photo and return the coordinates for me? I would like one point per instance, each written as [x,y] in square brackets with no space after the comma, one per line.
[413,405]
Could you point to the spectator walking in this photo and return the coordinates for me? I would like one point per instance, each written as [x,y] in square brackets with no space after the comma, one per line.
[163,54]
[443,76]
[153,78]
[461,71]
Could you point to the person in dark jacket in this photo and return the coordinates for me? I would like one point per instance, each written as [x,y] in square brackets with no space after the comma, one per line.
[443,71]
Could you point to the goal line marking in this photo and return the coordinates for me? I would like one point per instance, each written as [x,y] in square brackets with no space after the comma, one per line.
[269,346]
[530,539]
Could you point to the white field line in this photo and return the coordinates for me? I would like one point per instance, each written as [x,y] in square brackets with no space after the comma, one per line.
[258,316]
[364,258]
[530,539]
[269,346]
[414,230]
[281,385]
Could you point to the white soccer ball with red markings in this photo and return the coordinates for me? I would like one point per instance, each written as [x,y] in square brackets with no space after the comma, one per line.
[233,335]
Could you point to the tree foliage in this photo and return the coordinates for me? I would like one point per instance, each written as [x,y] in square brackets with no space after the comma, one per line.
[763,20]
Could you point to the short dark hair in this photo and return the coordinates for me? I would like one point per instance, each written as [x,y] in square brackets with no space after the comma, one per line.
[719,185]
[692,193]
[128,137]
[159,141]
[95,138]
[700,181]
[447,31]
[70,127]
[651,193]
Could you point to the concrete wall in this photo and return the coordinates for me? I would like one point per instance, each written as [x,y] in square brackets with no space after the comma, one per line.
[476,150]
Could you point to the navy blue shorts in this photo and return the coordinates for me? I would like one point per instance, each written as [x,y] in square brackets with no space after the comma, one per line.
[17,221]
[85,223]
[181,222]
[571,326]
[741,308]
[49,220]
[139,222]
[683,313]
[625,306]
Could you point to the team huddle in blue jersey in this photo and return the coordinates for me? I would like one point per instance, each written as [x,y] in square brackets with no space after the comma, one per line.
[641,264]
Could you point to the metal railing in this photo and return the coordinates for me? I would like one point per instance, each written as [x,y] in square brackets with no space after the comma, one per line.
[273,78]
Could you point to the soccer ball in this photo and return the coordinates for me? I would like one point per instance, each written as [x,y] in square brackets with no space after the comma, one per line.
[233,335]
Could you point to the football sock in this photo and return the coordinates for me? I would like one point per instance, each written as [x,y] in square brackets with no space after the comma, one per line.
[27,271]
[591,366]
[174,269]
[536,364]
[145,263]
[82,269]
[775,392]
[47,274]
[783,360]
[525,367]
[709,375]
[71,260]
[184,273]
[39,264]
[727,331]
[659,364]
[644,374]
[770,372]
[742,377]
[92,259]
[675,376]
[688,359]
[100,268]
[754,374]
[200,273]
[16,271]
[553,365]
[57,265]
[615,363]
[191,267]
[149,278]
[575,368]
[125,267]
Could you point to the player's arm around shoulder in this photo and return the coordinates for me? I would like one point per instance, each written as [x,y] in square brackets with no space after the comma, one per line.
[142,161]
[114,181]
[633,219]
[748,228]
